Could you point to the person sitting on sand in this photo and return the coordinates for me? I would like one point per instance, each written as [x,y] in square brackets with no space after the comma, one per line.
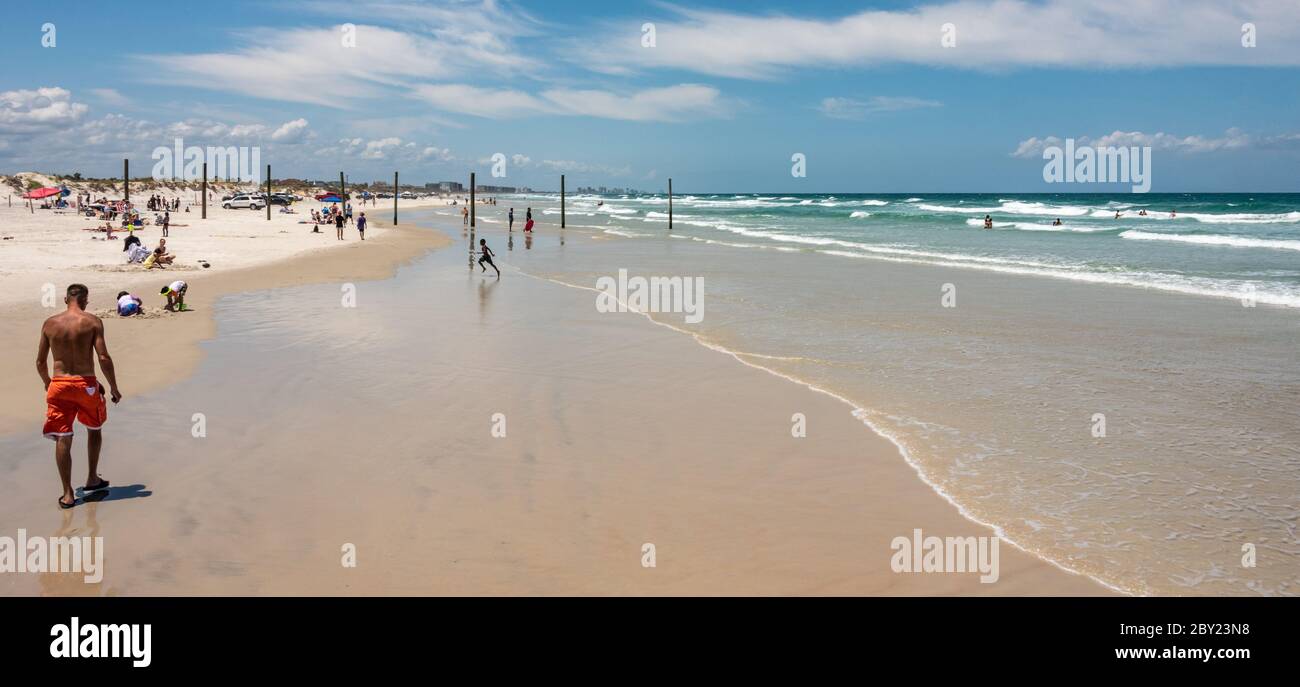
[175,293]
[131,240]
[129,304]
[160,254]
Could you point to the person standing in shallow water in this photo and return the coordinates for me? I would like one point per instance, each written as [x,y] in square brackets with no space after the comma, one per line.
[75,338]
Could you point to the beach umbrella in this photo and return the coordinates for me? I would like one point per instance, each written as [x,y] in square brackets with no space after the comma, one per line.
[39,193]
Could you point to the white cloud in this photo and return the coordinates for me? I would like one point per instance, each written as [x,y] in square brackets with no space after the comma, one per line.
[990,34]
[848,108]
[111,97]
[480,102]
[673,103]
[310,65]
[434,153]
[41,110]
[378,149]
[291,132]
[571,166]
[1232,139]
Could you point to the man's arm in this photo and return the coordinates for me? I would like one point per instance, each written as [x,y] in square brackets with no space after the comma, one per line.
[106,360]
[42,358]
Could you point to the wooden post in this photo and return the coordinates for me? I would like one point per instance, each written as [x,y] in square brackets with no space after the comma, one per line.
[471,201]
[670,203]
[394,198]
[126,180]
[343,193]
[268,193]
[561,201]
[205,190]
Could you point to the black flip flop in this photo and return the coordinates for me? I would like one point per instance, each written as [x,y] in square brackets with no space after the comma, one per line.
[103,484]
[66,506]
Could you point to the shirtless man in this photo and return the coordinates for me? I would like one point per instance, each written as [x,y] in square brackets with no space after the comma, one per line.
[74,392]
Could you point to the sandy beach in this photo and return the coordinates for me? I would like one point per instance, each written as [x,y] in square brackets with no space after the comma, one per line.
[244,251]
[620,434]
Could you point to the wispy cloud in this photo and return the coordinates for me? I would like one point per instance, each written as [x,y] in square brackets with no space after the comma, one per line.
[848,108]
[312,65]
[672,103]
[1232,139]
[990,34]
[111,97]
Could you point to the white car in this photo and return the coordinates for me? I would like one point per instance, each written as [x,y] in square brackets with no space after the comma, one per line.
[244,200]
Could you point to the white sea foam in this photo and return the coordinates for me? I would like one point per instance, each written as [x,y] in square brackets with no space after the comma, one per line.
[859,214]
[1030,226]
[1213,240]
[1013,207]
[1243,218]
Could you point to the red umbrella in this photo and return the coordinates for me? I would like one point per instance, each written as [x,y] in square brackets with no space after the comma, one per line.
[43,193]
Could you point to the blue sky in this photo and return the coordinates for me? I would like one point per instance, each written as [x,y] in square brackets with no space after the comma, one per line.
[866,91]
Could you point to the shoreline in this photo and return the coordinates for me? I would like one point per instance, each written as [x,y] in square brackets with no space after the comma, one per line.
[132,341]
[810,516]
[860,413]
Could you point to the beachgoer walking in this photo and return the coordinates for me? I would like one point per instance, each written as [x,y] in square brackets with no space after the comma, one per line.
[338,224]
[75,338]
[512,219]
[361,225]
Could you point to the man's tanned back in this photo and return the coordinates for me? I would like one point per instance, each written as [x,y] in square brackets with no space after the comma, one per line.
[72,337]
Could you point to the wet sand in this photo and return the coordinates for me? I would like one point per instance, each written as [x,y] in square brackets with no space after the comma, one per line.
[373,426]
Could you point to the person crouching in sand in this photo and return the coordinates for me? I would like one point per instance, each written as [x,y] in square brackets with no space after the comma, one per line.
[129,304]
[175,293]
[75,338]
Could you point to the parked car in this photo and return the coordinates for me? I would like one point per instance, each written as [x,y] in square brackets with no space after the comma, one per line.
[244,200]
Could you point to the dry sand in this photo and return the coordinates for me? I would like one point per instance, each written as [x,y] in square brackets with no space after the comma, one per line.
[245,252]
